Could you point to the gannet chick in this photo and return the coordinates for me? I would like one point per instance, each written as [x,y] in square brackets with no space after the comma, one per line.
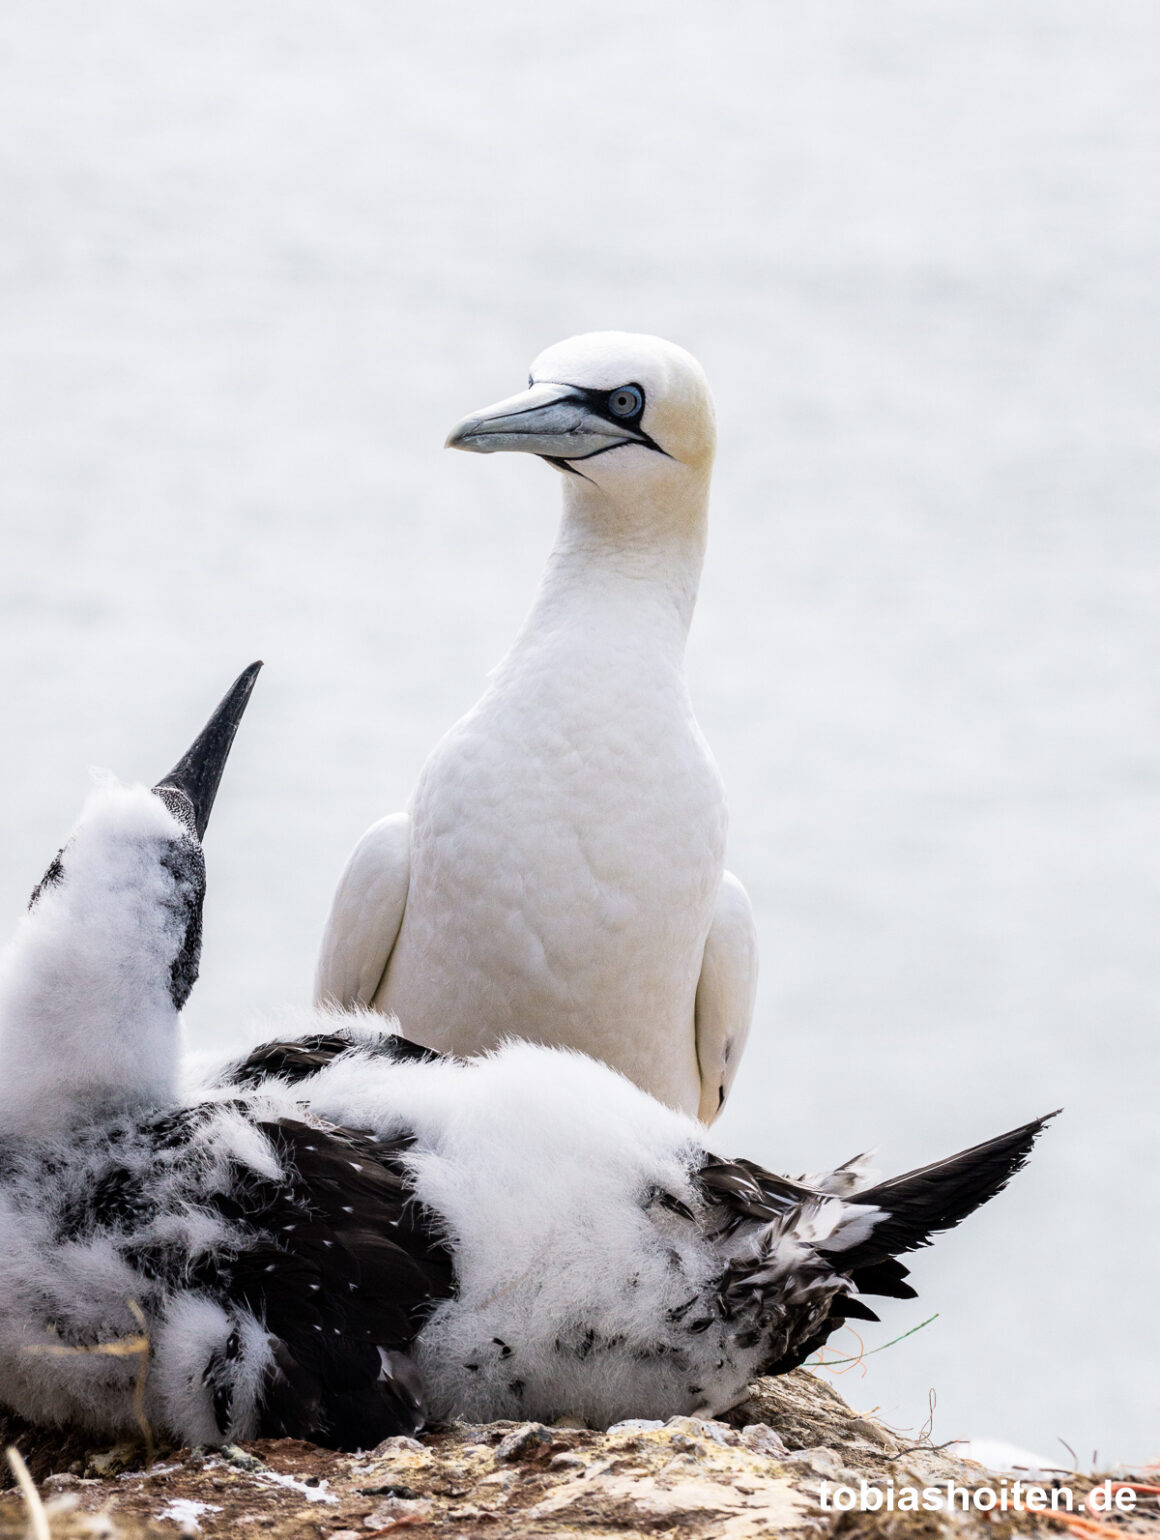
[93,981]
[259,1248]
[559,876]
[605,1262]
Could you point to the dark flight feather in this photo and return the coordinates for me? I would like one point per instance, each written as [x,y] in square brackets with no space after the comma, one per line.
[296,1059]
[336,1277]
[332,1255]
[937,1197]
[914,1208]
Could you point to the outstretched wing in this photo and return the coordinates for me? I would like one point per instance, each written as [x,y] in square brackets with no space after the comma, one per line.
[725,995]
[365,916]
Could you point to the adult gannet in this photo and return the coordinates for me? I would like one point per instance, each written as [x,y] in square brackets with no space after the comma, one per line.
[559,875]
[346,1226]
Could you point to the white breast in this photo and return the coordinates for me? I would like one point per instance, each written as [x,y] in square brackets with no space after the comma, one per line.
[568,845]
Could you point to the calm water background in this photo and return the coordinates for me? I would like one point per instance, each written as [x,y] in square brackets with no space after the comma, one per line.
[257,258]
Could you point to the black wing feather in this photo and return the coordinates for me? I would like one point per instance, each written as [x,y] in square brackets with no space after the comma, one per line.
[915,1207]
[295,1059]
[342,1284]
[937,1197]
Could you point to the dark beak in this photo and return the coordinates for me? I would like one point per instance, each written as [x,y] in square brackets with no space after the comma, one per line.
[198,773]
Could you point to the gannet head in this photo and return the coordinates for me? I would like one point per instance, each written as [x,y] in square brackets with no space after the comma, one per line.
[619,409]
[92,983]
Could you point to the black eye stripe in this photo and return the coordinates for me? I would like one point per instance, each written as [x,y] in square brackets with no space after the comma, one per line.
[598,402]
[601,401]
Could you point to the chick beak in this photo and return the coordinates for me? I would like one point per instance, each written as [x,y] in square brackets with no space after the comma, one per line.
[198,773]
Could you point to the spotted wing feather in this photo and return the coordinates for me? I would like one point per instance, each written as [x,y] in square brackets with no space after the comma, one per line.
[343,1270]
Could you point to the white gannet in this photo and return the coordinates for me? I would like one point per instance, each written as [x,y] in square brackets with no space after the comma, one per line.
[559,875]
[347,1231]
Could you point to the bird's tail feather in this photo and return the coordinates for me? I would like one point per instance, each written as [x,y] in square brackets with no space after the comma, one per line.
[919,1204]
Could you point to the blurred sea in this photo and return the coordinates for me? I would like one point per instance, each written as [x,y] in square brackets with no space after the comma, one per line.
[255,260]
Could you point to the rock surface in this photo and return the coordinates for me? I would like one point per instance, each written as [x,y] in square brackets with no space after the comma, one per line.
[757,1473]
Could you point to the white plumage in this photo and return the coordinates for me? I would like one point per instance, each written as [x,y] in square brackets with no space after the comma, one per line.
[88,1023]
[559,875]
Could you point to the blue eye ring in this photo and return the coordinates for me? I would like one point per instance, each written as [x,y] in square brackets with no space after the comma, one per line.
[626,401]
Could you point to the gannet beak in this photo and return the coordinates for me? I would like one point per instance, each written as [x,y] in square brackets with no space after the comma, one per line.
[558,421]
[198,773]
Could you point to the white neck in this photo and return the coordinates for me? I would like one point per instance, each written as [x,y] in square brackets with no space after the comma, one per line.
[646,556]
[80,1039]
[87,1022]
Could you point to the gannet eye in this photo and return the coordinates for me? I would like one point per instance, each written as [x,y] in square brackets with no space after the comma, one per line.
[626,401]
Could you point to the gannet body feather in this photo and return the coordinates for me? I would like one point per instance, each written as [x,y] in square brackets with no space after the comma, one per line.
[559,874]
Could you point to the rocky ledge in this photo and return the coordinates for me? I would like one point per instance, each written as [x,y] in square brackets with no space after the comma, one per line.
[765,1470]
